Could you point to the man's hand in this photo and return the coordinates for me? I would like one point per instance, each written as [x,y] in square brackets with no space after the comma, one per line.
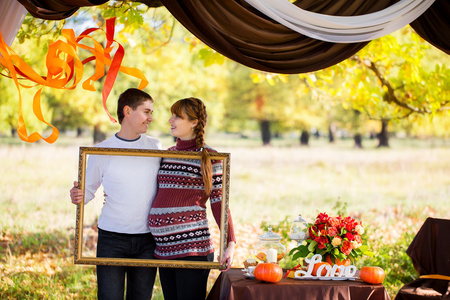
[76,195]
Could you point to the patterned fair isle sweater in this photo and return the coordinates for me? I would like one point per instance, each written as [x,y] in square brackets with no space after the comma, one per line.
[178,218]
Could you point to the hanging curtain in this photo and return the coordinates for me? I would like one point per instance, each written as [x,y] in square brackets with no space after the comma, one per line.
[434,25]
[12,14]
[56,9]
[343,29]
[242,33]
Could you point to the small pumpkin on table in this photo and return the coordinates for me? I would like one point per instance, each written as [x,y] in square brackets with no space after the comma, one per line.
[268,272]
[372,275]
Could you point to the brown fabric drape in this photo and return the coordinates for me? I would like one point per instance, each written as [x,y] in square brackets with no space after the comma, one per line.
[241,33]
[56,9]
[430,254]
[434,25]
[430,248]
[236,30]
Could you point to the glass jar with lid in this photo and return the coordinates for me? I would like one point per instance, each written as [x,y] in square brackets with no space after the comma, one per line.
[269,248]
[299,230]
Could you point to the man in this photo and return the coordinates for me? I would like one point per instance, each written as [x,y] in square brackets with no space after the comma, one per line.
[130,186]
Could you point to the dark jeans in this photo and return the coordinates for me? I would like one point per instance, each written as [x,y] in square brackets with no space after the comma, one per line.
[111,279]
[182,284]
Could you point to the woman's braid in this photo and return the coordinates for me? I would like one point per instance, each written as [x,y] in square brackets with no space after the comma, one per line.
[199,131]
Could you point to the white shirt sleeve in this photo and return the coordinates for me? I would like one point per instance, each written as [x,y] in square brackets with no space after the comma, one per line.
[93,178]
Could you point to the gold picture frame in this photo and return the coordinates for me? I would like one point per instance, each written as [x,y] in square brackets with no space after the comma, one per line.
[78,251]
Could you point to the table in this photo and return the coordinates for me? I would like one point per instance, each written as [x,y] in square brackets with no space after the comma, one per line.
[233,285]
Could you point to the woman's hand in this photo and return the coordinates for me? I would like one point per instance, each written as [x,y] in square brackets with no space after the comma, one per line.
[76,195]
[228,257]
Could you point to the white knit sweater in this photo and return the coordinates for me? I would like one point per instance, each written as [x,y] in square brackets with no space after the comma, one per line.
[130,183]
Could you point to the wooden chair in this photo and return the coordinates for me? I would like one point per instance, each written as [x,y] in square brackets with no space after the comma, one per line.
[430,254]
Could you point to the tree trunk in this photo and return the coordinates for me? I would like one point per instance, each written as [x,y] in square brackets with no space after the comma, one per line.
[99,135]
[383,136]
[358,140]
[304,138]
[79,131]
[265,132]
[331,130]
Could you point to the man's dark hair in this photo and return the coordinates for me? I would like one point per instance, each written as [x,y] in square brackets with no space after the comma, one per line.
[132,98]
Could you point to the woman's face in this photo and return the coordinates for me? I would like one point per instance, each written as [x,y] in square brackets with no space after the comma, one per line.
[181,127]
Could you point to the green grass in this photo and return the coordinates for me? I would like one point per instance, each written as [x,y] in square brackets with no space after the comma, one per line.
[271,183]
[391,190]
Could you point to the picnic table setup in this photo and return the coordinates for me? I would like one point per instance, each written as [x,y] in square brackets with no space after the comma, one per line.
[320,275]
[235,285]
[326,251]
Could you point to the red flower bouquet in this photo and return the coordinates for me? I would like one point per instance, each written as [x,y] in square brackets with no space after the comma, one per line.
[337,237]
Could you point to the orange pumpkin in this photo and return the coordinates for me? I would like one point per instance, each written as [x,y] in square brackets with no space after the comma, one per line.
[316,267]
[268,272]
[373,275]
[345,262]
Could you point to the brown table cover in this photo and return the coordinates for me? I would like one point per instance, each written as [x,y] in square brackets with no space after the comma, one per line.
[233,285]
[430,254]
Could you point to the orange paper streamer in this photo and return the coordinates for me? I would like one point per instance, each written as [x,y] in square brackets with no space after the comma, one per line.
[65,71]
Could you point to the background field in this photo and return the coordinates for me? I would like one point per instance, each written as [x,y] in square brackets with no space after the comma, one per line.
[391,190]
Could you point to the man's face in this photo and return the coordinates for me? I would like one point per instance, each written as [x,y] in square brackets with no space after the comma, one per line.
[141,117]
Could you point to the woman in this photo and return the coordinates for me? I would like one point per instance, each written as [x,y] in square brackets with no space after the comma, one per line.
[177,218]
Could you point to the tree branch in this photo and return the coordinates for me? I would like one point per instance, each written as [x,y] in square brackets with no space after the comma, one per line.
[391,92]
